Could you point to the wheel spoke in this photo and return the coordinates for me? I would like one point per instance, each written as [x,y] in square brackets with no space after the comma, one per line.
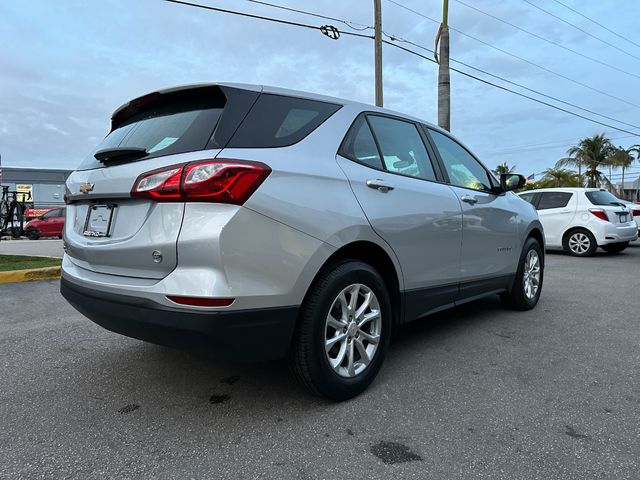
[364,356]
[337,361]
[365,304]
[372,315]
[350,360]
[341,337]
[369,337]
[354,298]
[338,324]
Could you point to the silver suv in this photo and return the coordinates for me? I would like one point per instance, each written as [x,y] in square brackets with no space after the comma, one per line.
[257,223]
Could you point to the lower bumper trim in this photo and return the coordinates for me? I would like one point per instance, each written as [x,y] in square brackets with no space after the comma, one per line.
[247,335]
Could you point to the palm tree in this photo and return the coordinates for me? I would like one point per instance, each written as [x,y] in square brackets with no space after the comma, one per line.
[504,168]
[559,177]
[623,159]
[590,153]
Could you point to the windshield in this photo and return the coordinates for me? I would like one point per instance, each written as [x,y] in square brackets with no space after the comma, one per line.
[601,197]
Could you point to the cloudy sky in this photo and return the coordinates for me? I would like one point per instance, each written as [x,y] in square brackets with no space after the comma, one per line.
[66,65]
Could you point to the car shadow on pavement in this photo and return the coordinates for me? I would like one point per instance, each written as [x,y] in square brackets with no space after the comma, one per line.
[132,376]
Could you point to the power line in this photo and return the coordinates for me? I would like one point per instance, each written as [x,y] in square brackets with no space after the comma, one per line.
[513,91]
[581,29]
[355,25]
[517,84]
[396,38]
[287,22]
[597,23]
[261,17]
[544,39]
[420,14]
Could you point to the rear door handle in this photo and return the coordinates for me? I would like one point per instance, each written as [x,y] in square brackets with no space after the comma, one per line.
[469,199]
[379,185]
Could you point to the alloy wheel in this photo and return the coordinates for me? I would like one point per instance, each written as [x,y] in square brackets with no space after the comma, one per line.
[579,243]
[531,278]
[352,330]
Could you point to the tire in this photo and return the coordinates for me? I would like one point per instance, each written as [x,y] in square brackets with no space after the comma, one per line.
[33,234]
[310,361]
[527,286]
[579,243]
[615,247]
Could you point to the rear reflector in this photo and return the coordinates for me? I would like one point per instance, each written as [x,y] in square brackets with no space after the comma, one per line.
[218,181]
[601,214]
[201,301]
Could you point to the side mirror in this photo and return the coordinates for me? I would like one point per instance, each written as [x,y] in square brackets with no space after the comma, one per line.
[512,181]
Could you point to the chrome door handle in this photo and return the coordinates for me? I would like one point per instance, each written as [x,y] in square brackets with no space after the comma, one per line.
[469,199]
[379,185]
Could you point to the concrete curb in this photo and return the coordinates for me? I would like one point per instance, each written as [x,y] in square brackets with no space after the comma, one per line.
[30,275]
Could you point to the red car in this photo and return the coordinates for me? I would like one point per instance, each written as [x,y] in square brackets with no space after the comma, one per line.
[49,224]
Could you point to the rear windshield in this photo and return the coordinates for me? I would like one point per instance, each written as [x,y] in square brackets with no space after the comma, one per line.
[280,121]
[600,197]
[173,123]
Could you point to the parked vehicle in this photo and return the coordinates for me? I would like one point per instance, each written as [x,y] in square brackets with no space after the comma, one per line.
[255,223]
[580,220]
[49,224]
[635,211]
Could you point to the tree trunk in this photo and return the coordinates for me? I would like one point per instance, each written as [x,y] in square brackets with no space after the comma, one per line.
[622,188]
[444,83]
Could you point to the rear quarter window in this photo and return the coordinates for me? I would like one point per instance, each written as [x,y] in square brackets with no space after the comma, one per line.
[280,121]
[554,200]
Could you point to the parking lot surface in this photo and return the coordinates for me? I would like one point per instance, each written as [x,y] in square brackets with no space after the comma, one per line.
[476,392]
[42,248]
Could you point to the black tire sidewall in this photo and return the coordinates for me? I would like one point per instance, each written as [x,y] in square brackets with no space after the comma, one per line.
[327,381]
[592,243]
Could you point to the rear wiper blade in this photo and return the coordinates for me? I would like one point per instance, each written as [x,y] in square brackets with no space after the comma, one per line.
[116,153]
[620,204]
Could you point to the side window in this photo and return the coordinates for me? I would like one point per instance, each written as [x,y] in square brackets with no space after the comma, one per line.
[402,148]
[554,200]
[463,170]
[280,121]
[360,146]
[528,197]
[50,214]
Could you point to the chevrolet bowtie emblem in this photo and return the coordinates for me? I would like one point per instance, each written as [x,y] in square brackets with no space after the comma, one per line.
[86,187]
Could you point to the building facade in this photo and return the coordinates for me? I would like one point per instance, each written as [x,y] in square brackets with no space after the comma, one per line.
[45,185]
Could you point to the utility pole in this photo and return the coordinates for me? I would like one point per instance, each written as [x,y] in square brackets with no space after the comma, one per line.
[377,12]
[444,83]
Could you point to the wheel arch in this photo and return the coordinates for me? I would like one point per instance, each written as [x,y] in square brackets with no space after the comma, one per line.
[372,254]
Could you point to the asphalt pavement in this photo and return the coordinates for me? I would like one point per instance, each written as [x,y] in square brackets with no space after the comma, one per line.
[41,248]
[476,392]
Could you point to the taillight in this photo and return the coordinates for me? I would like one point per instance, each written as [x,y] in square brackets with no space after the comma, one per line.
[201,301]
[635,213]
[601,214]
[219,181]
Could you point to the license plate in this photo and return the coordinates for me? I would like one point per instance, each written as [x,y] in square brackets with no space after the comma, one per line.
[624,218]
[98,223]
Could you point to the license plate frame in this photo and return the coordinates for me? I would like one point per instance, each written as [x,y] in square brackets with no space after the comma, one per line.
[99,220]
[623,217]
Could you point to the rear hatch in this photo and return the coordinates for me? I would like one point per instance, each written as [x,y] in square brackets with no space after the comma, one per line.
[613,208]
[108,230]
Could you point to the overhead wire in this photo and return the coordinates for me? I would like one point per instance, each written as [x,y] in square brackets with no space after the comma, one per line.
[518,57]
[597,23]
[586,32]
[547,40]
[395,45]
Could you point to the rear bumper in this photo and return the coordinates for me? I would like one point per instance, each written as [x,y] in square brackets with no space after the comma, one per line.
[239,335]
[617,234]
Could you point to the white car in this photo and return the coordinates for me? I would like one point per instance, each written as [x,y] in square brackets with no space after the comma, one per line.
[635,211]
[579,220]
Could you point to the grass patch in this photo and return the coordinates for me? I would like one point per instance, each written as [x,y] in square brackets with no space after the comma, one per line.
[23,262]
